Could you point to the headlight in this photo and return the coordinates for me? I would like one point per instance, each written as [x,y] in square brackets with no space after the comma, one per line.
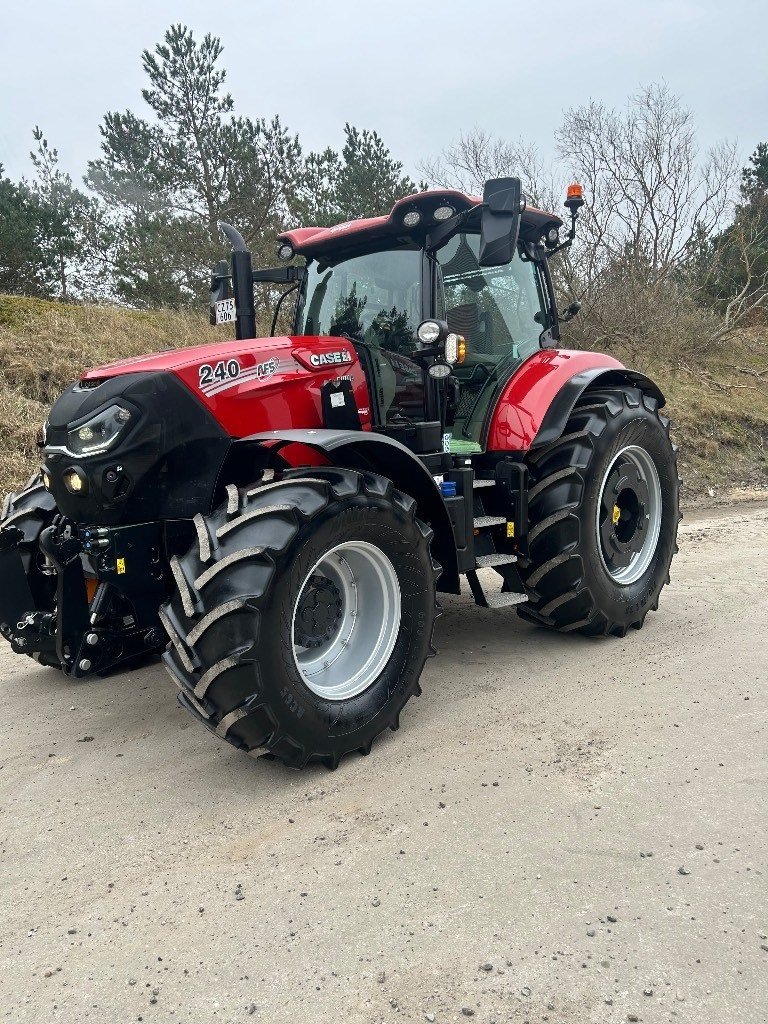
[100,432]
[428,332]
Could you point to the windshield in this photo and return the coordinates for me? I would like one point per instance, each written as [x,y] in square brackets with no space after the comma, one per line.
[376,298]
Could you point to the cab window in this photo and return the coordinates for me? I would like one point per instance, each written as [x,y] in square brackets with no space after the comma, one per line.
[501,313]
[494,308]
[375,298]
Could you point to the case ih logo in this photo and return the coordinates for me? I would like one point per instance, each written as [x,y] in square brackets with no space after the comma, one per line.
[329,358]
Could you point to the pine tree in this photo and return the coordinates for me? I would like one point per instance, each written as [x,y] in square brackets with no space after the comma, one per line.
[165,182]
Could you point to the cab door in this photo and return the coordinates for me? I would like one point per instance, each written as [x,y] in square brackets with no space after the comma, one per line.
[501,312]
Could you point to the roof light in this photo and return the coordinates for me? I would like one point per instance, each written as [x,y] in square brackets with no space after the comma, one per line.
[285,251]
[444,213]
[552,236]
[412,219]
[574,197]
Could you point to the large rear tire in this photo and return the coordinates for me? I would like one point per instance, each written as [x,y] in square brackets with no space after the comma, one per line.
[303,615]
[603,514]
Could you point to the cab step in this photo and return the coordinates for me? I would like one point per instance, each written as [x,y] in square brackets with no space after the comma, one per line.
[483,482]
[481,522]
[488,561]
[499,599]
[504,600]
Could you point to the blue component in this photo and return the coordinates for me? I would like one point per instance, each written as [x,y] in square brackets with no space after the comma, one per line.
[448,488]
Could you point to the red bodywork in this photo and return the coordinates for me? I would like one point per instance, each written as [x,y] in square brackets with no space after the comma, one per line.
[276,385]
[530,391]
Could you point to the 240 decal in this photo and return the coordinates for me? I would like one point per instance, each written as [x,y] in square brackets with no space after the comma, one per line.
[218,374]
[226,374]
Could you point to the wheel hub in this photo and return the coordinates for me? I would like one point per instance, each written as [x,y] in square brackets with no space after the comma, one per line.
[629,515]
[318,613]
[346,620]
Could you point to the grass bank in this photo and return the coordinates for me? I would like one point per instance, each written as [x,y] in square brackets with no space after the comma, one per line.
[718,404]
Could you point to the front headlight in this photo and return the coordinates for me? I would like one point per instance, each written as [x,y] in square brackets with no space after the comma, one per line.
[100,432]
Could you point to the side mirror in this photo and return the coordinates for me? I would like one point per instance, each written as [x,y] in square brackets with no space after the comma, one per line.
[570,312]
[500,221]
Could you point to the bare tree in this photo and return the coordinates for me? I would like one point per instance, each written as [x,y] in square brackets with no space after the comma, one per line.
[477,156]
[652,194]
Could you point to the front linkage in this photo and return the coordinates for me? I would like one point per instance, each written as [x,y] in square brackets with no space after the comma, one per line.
[78,635]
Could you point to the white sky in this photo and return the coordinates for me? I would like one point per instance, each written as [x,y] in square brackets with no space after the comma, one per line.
[418,71]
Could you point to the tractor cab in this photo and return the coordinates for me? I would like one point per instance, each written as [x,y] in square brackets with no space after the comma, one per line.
[471,273]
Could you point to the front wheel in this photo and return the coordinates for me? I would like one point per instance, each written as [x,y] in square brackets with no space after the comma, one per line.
[603,515]
[303,615]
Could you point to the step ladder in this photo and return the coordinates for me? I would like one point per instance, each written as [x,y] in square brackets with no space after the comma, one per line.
[497,599]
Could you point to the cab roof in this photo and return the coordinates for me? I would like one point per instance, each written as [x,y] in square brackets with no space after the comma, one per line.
[356,236]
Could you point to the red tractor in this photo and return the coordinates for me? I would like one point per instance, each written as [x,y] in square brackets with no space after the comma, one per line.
[284,509]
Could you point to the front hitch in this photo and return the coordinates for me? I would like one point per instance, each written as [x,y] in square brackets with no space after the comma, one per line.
[63,548]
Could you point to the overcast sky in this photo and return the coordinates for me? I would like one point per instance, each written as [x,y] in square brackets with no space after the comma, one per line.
[418,71]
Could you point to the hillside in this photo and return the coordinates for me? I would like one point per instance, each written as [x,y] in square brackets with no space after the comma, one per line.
[719,409]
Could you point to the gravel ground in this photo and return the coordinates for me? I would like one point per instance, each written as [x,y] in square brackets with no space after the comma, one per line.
[562,830]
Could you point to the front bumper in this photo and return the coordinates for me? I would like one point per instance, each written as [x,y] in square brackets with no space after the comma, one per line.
[82,636]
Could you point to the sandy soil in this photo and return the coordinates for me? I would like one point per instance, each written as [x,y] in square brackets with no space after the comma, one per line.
[562,830]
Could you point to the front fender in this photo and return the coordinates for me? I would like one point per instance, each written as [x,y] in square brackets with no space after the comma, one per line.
[535,403]
[362,450]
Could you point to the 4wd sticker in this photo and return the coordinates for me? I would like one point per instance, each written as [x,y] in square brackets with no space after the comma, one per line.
[226,374]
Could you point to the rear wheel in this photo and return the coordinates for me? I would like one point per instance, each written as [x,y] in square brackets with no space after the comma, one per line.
[303,615]
[603,515]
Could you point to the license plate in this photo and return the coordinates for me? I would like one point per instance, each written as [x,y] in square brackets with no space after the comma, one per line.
[225,311]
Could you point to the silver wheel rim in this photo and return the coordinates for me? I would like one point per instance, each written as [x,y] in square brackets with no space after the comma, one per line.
[627,539]
[346,620]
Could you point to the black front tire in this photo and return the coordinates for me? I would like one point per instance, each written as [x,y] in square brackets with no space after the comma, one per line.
[30,511]
[231,620]
[567,579]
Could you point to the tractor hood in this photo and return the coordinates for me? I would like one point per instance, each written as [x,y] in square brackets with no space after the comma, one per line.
[181,358]
[256,384]
[146,437]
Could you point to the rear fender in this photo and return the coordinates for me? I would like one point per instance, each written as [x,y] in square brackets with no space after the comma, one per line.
[537,400]
[361,450]
[565,400]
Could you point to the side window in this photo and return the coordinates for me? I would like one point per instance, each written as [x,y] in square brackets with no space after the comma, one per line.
[494,308]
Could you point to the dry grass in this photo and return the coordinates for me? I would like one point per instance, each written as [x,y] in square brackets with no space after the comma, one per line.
[719,411]
[45,345]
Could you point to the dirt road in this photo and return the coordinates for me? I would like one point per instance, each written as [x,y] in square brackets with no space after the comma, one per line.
[562,830]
